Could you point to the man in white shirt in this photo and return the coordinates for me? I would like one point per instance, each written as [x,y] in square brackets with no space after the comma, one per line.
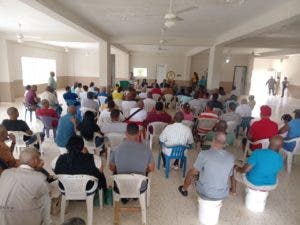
[49,95]
[24,196]
[90,103]
[175,134]
[231,115]
[115,126]
[83,95]
[197,104]
[139,114]
[78,89]
[244,109]
[127,106]
[149,103]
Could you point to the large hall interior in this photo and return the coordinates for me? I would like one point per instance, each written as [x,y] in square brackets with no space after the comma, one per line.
[158,112]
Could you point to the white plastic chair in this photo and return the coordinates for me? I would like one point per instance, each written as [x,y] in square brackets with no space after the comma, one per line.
[296,151]
[149,105]
[114,140]
[169,99]
[156,97]
[91,145]
[157,127]
[21,144]
[264,143]
[129,186]
[75,189]
[231,126]
[188,123]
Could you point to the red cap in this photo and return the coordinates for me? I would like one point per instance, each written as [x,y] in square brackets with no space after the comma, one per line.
[265,110]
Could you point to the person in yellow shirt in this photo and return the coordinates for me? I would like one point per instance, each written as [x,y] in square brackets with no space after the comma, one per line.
[118,94]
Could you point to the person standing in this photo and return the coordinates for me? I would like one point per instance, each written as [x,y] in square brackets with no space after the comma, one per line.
[271,84]
[51,81]
[284,86]
[277,85]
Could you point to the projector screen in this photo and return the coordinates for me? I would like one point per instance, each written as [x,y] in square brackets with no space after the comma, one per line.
[140,72]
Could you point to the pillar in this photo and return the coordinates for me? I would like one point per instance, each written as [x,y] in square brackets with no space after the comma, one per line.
[214,67]
[105,76]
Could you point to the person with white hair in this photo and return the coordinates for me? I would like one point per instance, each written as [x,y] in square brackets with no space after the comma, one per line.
[244,110]
[24,196]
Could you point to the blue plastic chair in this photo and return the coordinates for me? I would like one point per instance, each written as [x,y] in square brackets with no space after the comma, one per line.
[245,124]
[177,153]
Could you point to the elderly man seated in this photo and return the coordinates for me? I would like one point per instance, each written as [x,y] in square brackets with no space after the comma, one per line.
[46,111]
[50,95]
[131,156]
[115,126]
[231,115]
[70,97]
[158,115]
[265,128]
[128,104]
[13,124]
[262,168]
[89,102]
[293,131]
[24,192]
[138,114]
[244,110]
[175,134]
[215,167]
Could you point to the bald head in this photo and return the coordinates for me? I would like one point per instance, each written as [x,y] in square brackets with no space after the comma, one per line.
[13,113]
[219,140]
[276,142]
[31,157]
[72,109]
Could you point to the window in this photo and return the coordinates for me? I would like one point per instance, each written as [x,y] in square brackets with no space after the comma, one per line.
[36,70]
[140,72]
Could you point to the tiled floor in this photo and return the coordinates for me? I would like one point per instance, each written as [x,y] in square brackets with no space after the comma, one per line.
[168,207]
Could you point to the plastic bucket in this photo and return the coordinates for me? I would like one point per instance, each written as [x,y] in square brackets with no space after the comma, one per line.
[209,211]
[256,200]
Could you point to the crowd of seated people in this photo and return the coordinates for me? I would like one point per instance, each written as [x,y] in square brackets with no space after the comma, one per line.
[126,110]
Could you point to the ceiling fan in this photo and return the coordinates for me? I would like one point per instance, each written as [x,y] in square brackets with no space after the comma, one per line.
[21,37]
[256,53]
[171,17]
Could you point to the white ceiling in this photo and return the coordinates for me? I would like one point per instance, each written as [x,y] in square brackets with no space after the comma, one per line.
[34,23]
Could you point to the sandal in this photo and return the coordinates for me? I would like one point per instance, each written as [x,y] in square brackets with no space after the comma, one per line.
[184,193]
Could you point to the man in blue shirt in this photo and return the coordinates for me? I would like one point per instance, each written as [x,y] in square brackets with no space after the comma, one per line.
[293,131]
[66,127]
[70,97]
[261,169]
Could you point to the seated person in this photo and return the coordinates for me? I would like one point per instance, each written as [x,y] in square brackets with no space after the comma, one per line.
[24,192]
[118,94]
[163,84]
[143,94]
[78,90]
[220,127]
[105,113]
[31,99]
[231,115]
[149,103]
[214,166]
[265,128]
[127,105]
[251,102]
[293,131]
[262,168]
[50,95]
[187,113]
[138,114]
[13,124]
[175,134]
[115,126]
[168,90]
[78,161]
[144,83]
[244,109]
[83,94]
[215,102]
[89,102]
[185,97]
[286,118]
[197,105]
[27,88]
[103,92]
[207,114]
[46,111]
[157,115]
[66,127]
[131,156]
[70,97]
[92,87]
[156,90]
[88,126]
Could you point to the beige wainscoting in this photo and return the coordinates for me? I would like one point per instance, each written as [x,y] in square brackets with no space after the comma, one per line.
[293,91]
[227,85]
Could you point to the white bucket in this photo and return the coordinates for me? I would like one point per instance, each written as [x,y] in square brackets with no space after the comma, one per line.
[209,211]
[256,200]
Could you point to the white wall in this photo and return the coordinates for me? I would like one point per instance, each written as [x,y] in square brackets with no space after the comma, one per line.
[83,63]
[291,69]
[175,63]
[4,72]
[199,63]
[16,51]
[121,63]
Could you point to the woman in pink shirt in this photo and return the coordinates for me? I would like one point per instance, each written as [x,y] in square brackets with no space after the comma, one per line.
[187,113]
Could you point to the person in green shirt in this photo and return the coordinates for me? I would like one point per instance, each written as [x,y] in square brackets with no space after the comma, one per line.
[221,126]
[51,81]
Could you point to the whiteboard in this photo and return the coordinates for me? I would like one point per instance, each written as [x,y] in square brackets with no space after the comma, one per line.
[161,71]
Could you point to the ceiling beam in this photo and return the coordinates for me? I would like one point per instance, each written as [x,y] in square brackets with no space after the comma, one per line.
[283,14]
[283,52]
[196,50]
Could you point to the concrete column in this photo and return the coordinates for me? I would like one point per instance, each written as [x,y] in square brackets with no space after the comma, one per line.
[214,67]
[105,76]
[187,67]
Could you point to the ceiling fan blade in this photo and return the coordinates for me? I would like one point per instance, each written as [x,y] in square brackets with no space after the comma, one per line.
[187,9]
[178,18]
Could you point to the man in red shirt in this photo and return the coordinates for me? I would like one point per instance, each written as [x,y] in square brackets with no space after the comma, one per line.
[46,111]
[156,90]
[264,128]
[157,115]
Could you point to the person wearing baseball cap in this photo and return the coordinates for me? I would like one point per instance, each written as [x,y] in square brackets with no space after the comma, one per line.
[293,131]
[264,128]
